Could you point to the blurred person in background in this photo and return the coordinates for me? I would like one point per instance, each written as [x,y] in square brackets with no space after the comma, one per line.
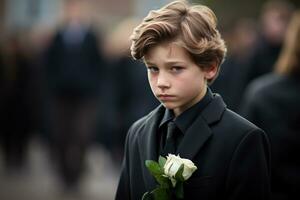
[253,51]
[128,101]
[2,79]
[274,18]
[16,107]
[73,74]
[39,39]
[272,103]
[232,76]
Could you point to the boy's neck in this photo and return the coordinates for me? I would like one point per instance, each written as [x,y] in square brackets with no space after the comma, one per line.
[179,111]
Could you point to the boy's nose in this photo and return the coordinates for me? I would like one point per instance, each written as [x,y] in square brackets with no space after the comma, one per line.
[162,81]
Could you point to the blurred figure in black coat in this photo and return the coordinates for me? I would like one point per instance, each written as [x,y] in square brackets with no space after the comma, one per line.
[274,19]
[272,103]
[73,69]
[130,96]
[231,81]
[253,51]
[15,104]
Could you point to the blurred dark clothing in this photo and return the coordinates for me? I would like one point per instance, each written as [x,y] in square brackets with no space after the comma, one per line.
[16,108]
[73,123]
[135,98]
[272,103]
[264,57]
[237,72]
[2,79]
[232,81]
[74,65]
[130,98]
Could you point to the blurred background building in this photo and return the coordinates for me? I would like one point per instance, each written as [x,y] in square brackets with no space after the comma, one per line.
[29,30]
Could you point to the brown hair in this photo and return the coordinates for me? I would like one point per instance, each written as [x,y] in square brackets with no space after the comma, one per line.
[288,62]
[192,27]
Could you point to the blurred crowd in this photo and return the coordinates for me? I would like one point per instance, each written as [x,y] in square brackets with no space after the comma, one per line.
[72,87]
[76,85]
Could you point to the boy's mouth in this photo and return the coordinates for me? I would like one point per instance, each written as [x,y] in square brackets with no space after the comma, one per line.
[165,97]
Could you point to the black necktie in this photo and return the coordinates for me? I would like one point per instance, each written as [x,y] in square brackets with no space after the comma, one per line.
[170,145]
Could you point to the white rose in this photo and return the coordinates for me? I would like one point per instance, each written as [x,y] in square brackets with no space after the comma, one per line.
[173,164]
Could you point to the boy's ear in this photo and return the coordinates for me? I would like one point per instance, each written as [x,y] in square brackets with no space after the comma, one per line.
[211,71]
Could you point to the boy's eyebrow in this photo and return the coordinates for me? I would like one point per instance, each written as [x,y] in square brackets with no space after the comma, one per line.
[148,63]
[167,62]
[174,62]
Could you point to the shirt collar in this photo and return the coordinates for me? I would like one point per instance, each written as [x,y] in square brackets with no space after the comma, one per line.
[186,118]
[168,116]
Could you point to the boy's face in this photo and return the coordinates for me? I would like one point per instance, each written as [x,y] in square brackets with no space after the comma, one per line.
[176,81]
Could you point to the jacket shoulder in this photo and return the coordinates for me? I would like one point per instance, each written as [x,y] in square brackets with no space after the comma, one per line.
[237,123]
[140,123]
[233,129]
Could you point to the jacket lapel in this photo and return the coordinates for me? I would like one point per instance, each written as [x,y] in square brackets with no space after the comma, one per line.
[148,145]
[200,130]
[194,139]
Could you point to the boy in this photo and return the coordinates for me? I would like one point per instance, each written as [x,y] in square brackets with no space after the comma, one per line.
[183,50]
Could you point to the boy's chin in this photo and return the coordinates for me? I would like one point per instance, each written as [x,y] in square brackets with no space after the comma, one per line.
[169,105]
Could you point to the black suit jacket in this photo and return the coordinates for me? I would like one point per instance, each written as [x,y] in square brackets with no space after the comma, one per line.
[232,156]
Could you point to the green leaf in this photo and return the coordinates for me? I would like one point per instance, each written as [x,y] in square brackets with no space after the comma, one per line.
[162,161]
[179,193]
[147,196]
[161,193]
[165,182]
[153,167]
[178,175]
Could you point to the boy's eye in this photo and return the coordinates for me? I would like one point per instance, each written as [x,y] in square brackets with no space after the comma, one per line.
[153,69]
[176,69]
